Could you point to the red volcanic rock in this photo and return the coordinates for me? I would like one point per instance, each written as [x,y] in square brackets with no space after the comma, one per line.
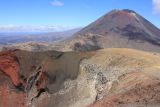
[10,96]
[9,65]
[9,76]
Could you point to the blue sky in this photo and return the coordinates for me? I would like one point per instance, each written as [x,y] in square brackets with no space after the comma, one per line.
[71,12]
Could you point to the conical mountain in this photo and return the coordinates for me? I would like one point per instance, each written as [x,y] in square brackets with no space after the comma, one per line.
[117,29]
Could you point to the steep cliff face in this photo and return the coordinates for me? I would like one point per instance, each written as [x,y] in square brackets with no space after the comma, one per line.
[11,85]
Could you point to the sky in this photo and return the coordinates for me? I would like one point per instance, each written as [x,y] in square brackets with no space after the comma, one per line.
[78,13]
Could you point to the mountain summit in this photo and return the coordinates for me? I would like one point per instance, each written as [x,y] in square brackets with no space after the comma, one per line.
[117,29]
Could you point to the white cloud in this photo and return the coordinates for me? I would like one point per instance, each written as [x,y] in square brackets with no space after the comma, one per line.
[34,28]
[57,3]
[156,6]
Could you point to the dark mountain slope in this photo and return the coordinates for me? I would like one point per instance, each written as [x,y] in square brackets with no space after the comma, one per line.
[117,29]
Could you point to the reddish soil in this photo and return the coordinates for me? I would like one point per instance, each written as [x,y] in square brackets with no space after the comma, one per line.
[140,91]
[10,98]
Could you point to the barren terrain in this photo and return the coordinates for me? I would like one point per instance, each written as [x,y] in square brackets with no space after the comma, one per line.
[105,78]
